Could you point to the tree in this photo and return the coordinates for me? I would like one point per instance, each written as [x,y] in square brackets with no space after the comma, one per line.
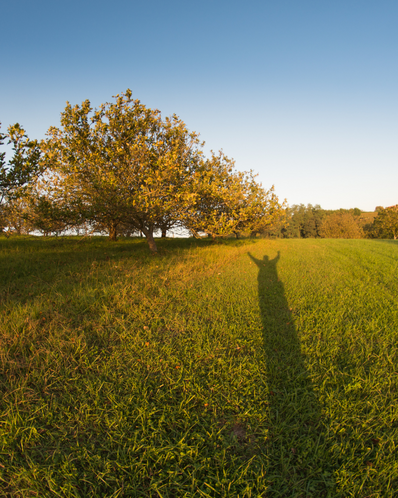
[22,167]
[45,216]
[341,226]
[215,191]
[385,225]
[122,165]
[227,201]
[18,174]
[279,227]
[262,211]
[303,221]
[312,221]
[15,216]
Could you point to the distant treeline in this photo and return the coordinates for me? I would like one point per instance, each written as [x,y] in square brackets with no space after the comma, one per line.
[310,221]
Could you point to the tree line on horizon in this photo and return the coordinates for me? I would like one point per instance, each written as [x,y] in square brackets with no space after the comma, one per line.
[123,170]
[300,221]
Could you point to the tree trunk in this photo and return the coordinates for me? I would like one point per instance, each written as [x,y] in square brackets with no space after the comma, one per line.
[151,241]
[113,231]
[164,232]
[253,235]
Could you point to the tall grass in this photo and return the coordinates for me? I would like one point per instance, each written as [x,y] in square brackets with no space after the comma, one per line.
[243,369]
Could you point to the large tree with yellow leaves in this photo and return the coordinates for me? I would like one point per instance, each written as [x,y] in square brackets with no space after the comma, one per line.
[123,165]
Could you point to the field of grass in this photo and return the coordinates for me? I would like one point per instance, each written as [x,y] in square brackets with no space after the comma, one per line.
[253,368]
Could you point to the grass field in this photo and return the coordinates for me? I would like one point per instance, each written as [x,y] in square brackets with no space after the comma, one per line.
[241,369]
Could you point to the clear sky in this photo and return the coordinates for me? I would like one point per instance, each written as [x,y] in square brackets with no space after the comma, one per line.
[303,92]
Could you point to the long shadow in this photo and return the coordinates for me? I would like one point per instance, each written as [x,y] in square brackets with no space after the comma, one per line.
[297,442]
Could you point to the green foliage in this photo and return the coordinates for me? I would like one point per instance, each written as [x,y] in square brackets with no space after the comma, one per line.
[2,154]
[356,212]
[302,221]
[47,217]
[204,371]
[17,176]
[22,167]
[228,201]
[122,165]
[341,226]
[15,214]
[385,225]
[307,221]
[124,169]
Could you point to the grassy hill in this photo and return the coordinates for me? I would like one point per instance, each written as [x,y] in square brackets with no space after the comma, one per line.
[242,369]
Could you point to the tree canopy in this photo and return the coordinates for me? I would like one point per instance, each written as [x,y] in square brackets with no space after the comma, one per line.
[123,168]
[341,226]
[24,164]
[385,224]
[123,165]
[17,175]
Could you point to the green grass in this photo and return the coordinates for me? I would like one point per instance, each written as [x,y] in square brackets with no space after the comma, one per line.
[220,370]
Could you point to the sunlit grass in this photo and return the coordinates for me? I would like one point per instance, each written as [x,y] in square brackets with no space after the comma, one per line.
[199,372]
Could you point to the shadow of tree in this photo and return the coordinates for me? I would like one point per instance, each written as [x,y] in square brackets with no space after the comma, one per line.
[297,443]
[30,266]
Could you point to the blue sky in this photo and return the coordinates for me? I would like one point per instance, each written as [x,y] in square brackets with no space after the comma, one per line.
[305,93]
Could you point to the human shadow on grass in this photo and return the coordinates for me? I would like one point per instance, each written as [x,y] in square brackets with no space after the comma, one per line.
[298,462]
